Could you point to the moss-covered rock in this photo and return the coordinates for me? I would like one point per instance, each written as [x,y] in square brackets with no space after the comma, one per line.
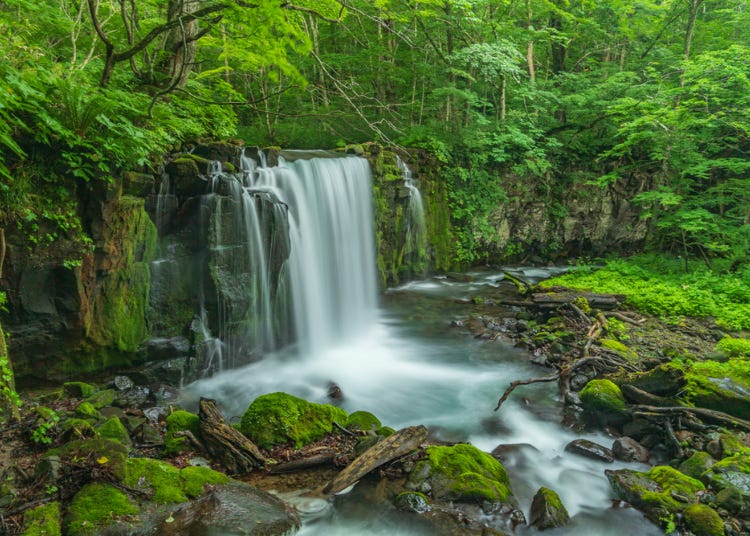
[703,520]
[621,349]
[167,483]
[665,380]
[363,420]
[461,473]
[74,428]
[180,421]
[280,418]
[86,410]
[95,506]
[603,401]
[659,493]
[103,452]
[102,398]
[412,501]
[547,510]
[733,474]
[720,386]
[79,389]
[43,520]
[114,430]
[697,464]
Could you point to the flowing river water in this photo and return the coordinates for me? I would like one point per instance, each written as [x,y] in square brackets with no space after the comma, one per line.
[402,355]
[410,366]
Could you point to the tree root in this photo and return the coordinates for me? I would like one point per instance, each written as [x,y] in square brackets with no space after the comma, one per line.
[516,383]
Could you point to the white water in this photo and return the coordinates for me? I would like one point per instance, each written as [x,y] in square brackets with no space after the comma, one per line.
[408,367]
[415,222]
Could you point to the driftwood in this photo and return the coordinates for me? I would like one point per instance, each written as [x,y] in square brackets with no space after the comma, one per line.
[226,444]
[390,448]
[551,300]
[706,414]
[516,383]
[522,286]
[324,456]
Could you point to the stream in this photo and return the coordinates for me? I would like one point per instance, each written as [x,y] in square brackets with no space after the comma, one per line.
[412,365]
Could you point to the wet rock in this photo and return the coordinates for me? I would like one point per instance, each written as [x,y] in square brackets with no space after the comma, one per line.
[232,510]
[604,403]
[334,391]
[160,349]
[589,449]
[660,493]
[186,176]
[627,449]
[732,474]
[547,510]
[697,464]
[137,397]
[412,501]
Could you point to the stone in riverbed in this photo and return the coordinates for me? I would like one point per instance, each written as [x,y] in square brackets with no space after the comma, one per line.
[589,449]
[234,509]
[627,449]
[547,510]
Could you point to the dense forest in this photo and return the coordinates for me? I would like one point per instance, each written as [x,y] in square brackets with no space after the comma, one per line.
[556,93]
[148,264]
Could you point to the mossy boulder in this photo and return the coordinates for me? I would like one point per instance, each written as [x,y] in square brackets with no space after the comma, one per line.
[102,398]
[547,510]
[620,349]
[722,387]
[79,389]
[731,477]
[697,464]
[280,418]
[604,402]
[659,493]
[106,453]
[461,473]
[43,520]
[703,520]
[114,430]
[87,411]
[74,428]
[95,506]
[167,483]
[665,380]
[412,501]
[180,421]
[363,420]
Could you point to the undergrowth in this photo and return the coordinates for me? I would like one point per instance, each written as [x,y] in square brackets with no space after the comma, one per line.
[661,287]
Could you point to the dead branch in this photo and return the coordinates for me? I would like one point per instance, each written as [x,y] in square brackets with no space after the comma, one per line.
[706,414]
[626,318]
[516,383]
[580,313]
[324,457]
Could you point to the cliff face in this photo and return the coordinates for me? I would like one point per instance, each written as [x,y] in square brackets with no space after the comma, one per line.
[127,296]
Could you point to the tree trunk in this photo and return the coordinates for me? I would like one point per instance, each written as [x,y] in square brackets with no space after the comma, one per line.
[226,444]
[530,44]
[180,43]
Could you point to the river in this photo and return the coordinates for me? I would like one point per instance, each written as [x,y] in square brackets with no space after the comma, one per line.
[414,365]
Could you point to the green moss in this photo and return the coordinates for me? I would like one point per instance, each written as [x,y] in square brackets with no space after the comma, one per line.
[114,430]
[703,520]
[105,452]
[195,478]
[672,484]
[168,483]
[603,396]
[95,506]
[102,398]
[465,473]
[280,418]
[697,464]
[42,521]
[412,501]
[79,389]
[77,429]
[720,386]
[160,477]
[732,347]
[363,420]
[622,350]
[86,410]
[180,421]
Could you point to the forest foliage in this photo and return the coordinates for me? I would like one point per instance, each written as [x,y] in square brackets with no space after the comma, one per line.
[553,92]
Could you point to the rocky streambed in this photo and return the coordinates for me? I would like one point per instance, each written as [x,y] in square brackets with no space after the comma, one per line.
[382,436]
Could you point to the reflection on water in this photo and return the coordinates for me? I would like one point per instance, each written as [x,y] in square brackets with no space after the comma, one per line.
[410,367]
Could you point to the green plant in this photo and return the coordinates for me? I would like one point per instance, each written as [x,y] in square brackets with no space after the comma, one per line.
[47,422]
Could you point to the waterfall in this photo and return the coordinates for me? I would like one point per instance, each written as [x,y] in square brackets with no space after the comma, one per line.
[415,252]
[291,256]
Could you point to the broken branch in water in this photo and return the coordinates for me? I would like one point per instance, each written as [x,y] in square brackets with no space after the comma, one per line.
[516,383]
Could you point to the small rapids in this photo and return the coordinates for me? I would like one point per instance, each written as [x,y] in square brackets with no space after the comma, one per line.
[410,366]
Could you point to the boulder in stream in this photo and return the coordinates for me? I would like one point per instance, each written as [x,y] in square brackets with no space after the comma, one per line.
[547,510]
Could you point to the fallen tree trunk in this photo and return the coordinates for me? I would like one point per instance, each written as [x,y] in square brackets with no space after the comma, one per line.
[550,300]
[390,448]
[226,444]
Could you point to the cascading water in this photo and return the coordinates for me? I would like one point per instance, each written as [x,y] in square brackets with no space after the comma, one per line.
[415,243]
[291,257]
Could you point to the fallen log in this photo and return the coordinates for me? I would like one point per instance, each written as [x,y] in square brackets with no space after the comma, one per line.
[552,300]
[321,458]
[226,444]
[390,448]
